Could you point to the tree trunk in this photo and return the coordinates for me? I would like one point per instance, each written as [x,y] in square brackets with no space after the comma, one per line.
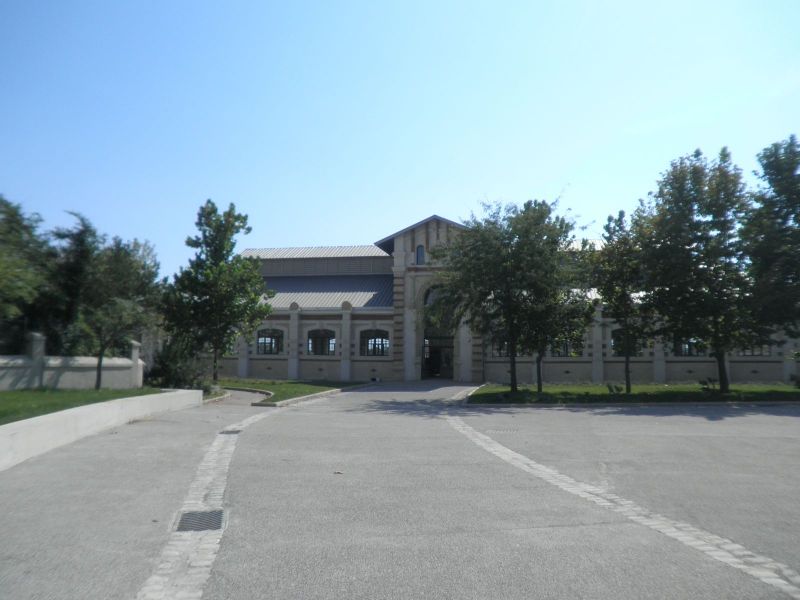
[512,355]
[627,372]
[98,379]
[214,370]
[539,356]
[724,385]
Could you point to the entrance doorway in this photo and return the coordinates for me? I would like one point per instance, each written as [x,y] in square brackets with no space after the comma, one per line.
[437,355]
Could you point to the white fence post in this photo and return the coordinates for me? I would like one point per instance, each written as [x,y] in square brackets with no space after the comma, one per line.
[136,369]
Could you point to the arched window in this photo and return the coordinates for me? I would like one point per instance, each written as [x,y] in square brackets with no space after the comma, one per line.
[321,342]
[374,342]
[269,341]
[420,254]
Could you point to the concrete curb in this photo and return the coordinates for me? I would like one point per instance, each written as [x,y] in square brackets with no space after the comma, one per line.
[25,439]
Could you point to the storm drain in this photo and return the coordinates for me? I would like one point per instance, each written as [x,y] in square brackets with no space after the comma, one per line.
[230,431]
[200,520]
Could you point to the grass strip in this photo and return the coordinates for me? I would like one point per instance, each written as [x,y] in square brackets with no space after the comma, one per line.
[283,390]
[600,394]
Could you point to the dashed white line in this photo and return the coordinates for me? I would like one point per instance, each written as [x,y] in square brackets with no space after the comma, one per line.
[719,548]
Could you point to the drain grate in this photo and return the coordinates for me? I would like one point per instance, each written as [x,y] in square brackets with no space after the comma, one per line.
[230,431]
[200,521]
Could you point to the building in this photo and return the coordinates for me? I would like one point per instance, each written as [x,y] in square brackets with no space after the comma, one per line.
[356,313]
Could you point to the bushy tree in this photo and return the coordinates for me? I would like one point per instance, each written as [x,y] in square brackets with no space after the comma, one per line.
[618,276]
[696,281]
[772,235]
[123,279]
[505,276]
[221,294]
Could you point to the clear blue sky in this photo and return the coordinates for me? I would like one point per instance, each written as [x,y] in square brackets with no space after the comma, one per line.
[340,123]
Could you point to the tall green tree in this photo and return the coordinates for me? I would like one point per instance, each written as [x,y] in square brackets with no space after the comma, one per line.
[696,280]
[772,235]
[22,264]
[123,279]
[221,294]
[619,279]
[504,276]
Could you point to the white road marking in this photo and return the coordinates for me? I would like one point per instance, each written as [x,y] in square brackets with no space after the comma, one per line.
[724,550]
[186,560]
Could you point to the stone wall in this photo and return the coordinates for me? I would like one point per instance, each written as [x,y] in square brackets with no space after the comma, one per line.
[68,372]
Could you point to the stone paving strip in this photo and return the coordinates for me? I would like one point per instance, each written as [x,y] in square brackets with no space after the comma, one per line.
[724,550]
[185,563]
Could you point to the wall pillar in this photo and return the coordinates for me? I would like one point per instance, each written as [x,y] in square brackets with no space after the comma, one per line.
[137,374]
[36,354]
[345,367]
[463,373]
[789,367]
[598,376]
[412,368]
[243,355]
[294,342]
[659,362]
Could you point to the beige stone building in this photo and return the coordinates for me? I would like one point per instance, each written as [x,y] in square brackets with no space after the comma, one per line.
[356,313]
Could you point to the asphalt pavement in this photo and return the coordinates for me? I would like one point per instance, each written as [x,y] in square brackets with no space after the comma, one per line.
[400,491]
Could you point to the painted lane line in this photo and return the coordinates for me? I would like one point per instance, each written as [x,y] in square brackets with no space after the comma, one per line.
[719,548]
[185,562]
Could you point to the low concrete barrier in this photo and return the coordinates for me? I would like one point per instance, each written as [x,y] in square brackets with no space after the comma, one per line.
[25,439]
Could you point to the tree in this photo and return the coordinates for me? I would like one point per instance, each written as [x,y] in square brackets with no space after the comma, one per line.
[504,276]
[123,277]
[22,272]
[772,235]
[619,279]
[221,294]
[693,256]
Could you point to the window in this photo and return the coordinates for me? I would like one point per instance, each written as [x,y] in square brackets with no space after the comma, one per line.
[755,351]
[374,342]
[618,344]
[499,349]
[269,341]
[690,347]
[321,342]
[420,254]
[567,349]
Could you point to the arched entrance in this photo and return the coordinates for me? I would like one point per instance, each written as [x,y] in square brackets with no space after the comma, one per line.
[437,347]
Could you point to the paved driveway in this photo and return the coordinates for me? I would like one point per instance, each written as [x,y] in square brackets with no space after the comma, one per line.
[395,491]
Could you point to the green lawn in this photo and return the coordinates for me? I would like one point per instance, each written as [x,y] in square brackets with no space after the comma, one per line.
[23,404]
[283,390]
[588,393]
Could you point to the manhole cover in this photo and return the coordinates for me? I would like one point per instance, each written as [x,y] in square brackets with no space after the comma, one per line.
[200,520]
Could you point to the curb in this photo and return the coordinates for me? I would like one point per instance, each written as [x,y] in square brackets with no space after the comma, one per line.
[632,404]
[219,398]
[298,399]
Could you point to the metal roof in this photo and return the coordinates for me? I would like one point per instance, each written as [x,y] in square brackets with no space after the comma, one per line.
[329,291]
[314,252]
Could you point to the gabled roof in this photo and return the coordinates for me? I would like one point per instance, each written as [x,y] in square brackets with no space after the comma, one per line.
[389,238]
[314,252]
[361,291]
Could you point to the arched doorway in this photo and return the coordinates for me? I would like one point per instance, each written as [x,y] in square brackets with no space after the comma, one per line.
[437,347]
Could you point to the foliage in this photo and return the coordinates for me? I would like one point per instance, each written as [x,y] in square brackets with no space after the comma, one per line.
[220,295]
[508,277]
[123,277]
[693,257]
[177,365]
[619,279]
[772,234]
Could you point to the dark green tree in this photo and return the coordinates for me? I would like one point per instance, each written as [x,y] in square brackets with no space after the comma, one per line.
[772,235]
[696,281]
[504,274]
[619,279]
[221,294]
[23,251]
[123,279]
